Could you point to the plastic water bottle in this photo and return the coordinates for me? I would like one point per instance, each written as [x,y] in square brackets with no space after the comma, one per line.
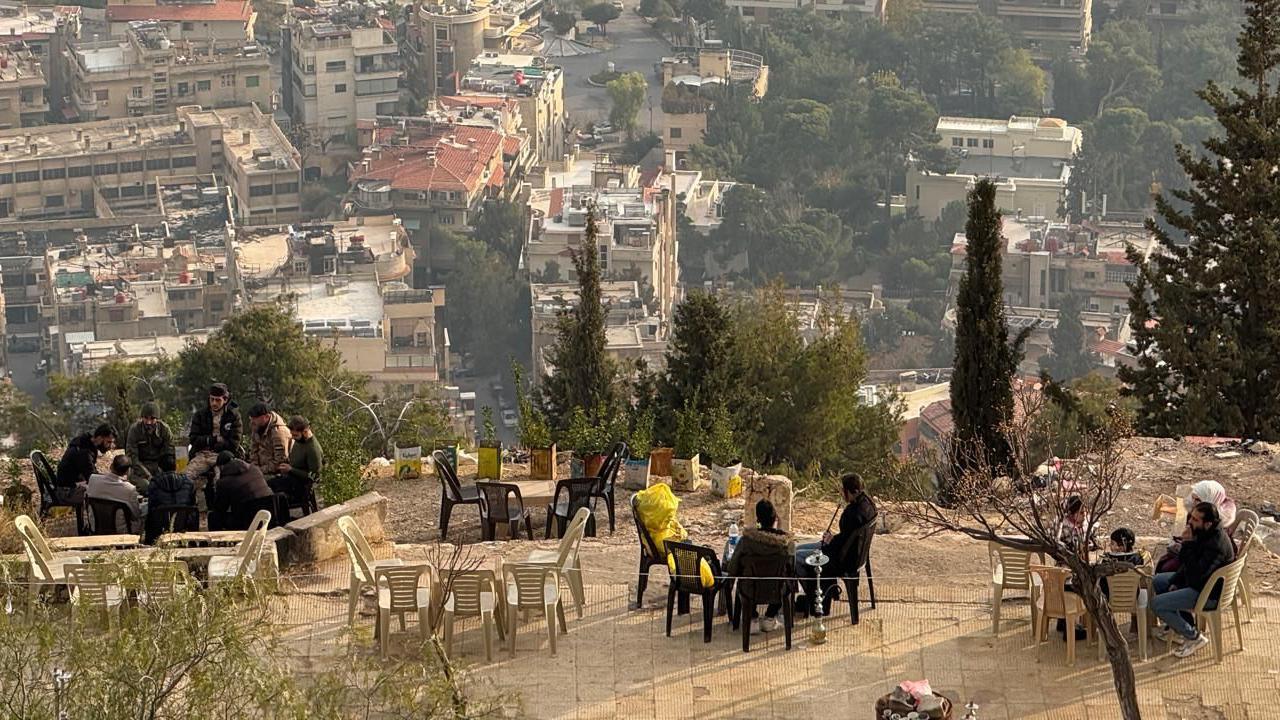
[733,535]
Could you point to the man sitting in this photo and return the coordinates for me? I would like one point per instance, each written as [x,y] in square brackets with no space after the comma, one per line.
[114,485]
[1206,548]
[758,554]
[306,460]
[240,491]
[214,428]
[148,440]
[269,442]
[859,512]
[81,461]
[168,489]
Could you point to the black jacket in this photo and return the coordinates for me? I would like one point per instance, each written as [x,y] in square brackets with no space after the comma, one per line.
[1201,557]
[857,515]
[762,553]
[78,462]
[202,430]
[239,483]
[170,488]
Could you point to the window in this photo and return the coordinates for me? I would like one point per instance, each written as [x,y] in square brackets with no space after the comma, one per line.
[675,133]
[340,88]
[334,66]
[101,95]
[957,142]
[286,188]
[131,166]
[28,176]
[1090,275]
[80,171]
[988,143]
[1093,307]
[6,179]
[446,219]
[203,85]
[215,306]
[53,201]
[971,142]
[442,32]
[132,191]
[184,88]
[1121,273]
[110,193]
[158,163]
[114,315]
[135,91]
[1117,309]
[105,169]
[188,27]
[259,190]
[748,12]
[54,173]
[228,79]
[251,81]
[376,87]
[187,161]
[1058,280]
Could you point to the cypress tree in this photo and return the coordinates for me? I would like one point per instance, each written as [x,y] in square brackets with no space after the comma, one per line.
[1068,359]
[699,355]
[582,375]
[985,361]
[1206,306]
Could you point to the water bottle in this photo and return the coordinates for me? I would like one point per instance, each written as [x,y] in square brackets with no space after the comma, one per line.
[733,535]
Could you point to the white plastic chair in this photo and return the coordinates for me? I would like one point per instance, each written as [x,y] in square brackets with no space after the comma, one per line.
[1243,534]
[1010,570]
[95,588]
[533,588]
[46,569]
[363,564]
[566,558]
[244,562]
[1229,578]
[1127,595]
[473,593]
[400,592]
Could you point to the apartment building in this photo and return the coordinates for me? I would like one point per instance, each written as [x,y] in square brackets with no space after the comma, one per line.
[762,11]
[443,38]
[22,278]
[691,84]
[44,32]
[1028,158]
[632,331]
[1039,25]
[225,23]
[23,102]
[148,73]
[340,67]
[60,170]
[537,87]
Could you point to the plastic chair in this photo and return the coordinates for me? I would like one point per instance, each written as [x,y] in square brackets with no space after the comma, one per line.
[855,557]
[451,491]
[162,581]
[566,558]
[400,592]
[95,588]
[473,593]
[1010,570]
[243,563]
[46,570]
[1127,595]
[45,481]
[105,513]
[1227,578]
[498,508]
[650,554]
[1050,599]
[608,478]
[751,592]
[363,564]
[170,518]
[533,588]
[687,581]
[572,495]
[1242,535]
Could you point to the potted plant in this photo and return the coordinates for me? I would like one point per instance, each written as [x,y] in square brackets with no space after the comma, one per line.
[726,480]
[578,435]
[635,468]
[489,454]
[535,433]
[685,473]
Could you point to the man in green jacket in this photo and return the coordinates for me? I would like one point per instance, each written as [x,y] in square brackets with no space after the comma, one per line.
[306,460]
[148,440]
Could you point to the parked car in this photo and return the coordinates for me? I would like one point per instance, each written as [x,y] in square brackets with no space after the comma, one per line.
[590,141]
[508,418]
[617,4]
[602,129]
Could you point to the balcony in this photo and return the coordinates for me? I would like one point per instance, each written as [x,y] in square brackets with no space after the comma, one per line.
[137,102]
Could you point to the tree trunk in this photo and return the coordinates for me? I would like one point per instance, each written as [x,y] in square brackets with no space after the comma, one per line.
[1086,582]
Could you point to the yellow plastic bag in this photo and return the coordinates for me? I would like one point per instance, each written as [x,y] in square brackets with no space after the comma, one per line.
[704,571]
[657,507]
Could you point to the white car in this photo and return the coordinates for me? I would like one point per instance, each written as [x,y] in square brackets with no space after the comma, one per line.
[508,418]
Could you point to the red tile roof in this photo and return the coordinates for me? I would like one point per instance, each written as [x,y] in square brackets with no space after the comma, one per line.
[498,178]
[1107,347]
[512,145]
[457,163]
[484,101]
[938,417]
[220,11]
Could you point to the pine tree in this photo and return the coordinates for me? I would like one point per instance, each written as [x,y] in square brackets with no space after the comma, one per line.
[699,356]
[1207,305]
[985,361]
[1069,359]
[582,375]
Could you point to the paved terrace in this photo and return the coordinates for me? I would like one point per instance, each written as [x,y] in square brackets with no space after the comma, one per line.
[617,662]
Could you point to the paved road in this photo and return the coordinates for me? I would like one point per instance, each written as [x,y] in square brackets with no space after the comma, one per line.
[634,48]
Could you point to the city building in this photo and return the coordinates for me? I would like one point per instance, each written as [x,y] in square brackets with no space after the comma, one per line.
[87,356]
[1040,26]
[216,22]
[339,67]
[762,11]
[443,38]
[62,171]
[23,102]
[1028,158]
[436,171]
[691,84]
[44,32]
[632,332]
[147,72]
[538,88]
[837,8]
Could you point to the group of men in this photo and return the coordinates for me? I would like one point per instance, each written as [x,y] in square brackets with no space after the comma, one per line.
[281,457]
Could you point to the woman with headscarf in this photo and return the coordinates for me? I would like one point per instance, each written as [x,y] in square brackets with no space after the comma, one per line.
[1210,491]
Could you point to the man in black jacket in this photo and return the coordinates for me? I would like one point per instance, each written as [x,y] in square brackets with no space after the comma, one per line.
[859,512]
[80,461]
[214,428]
[170,489]
[1206,548]
[240,490]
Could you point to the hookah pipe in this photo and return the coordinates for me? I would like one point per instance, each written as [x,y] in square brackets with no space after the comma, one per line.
[818,634]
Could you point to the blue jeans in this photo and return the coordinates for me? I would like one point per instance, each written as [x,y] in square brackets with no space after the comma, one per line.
[1169,605]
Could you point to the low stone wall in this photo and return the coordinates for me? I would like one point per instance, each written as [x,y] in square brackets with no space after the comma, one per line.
[315,537]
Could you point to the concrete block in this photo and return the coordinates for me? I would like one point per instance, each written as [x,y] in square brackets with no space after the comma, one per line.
[315,537]
[774,488]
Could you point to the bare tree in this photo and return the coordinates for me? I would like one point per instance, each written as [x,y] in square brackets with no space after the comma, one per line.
[1016,510]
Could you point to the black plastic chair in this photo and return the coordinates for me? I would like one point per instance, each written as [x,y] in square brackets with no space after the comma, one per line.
[499,508]
[608,478]
[302,497]
[45,481]
[451,492]
[170,518]
[687,582]
[577,493]
[854,557]
[650,554]
[774,584]
[104,516]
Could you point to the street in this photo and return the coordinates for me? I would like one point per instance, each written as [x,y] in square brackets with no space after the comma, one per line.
[635,47]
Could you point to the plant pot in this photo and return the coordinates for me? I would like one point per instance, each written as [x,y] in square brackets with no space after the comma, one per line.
[591,464]
[542,463]
[489,463]
[451,452]
[685,474]
[575,467]
[726,482]
[635,474]
[408,463]
[660,461]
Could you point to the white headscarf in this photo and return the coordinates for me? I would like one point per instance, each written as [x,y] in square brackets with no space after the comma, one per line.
[1211,491]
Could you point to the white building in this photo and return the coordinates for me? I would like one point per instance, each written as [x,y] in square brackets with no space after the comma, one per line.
[341,69]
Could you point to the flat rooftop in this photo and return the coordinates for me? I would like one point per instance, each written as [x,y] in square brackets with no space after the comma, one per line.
[263,135]
[1027,168]
[324,298]
[68,140]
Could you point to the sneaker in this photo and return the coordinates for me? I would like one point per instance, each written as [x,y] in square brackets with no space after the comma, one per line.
[756,627]
[1165,634]
[1190,646]
[768,624]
